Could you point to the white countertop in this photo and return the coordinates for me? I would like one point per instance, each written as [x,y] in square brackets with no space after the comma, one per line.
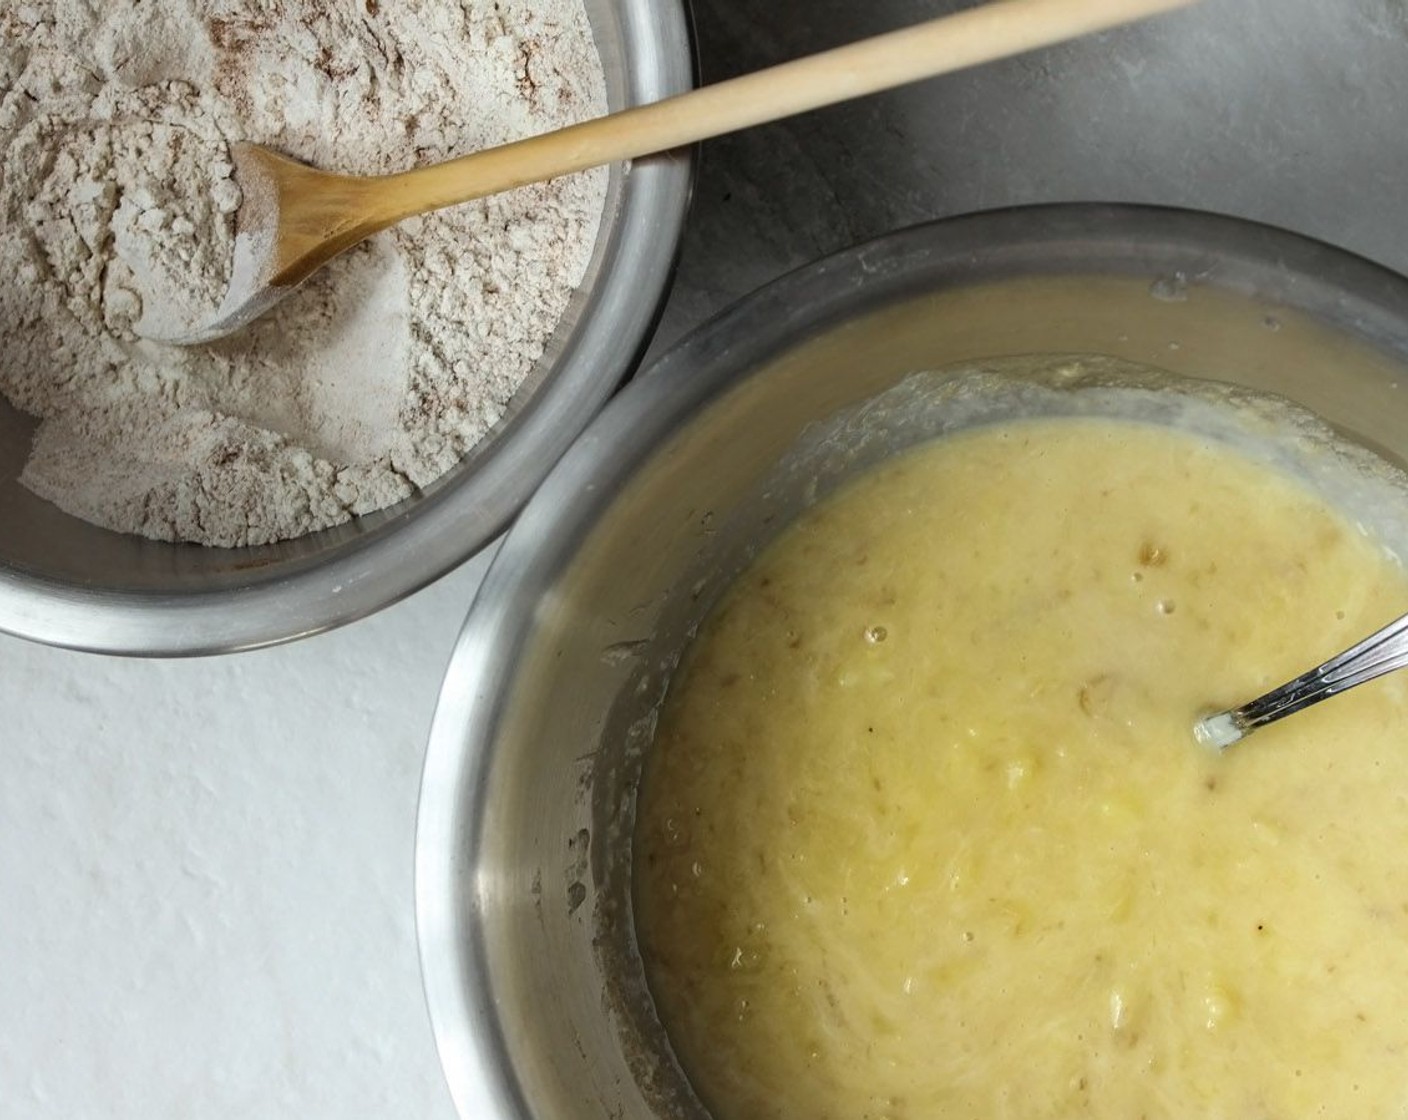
[206,866]
[205,876]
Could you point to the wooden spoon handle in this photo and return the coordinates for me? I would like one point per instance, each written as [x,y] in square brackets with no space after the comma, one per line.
[938,46]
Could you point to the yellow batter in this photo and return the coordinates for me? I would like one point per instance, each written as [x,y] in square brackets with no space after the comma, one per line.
[926,833]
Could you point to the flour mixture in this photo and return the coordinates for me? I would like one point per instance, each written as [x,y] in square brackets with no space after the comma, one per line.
[926,834]
[116,224]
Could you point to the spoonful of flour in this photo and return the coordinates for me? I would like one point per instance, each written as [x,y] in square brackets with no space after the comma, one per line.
[116,223]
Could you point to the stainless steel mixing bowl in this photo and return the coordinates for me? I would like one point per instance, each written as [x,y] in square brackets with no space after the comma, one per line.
[522,880]
[66,582]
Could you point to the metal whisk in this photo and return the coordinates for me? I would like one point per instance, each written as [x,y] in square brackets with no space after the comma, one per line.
[1380,653]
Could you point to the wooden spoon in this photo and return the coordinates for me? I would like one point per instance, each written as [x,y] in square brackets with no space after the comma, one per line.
[294,218]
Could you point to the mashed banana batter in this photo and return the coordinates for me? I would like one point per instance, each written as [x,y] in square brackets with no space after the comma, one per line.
[926,833]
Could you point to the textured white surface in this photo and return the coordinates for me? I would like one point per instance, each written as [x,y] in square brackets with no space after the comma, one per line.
[206,876]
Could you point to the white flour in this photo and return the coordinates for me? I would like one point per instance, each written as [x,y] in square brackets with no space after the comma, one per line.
[116,216]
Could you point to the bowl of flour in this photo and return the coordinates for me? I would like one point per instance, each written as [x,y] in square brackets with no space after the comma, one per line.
[388,419]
